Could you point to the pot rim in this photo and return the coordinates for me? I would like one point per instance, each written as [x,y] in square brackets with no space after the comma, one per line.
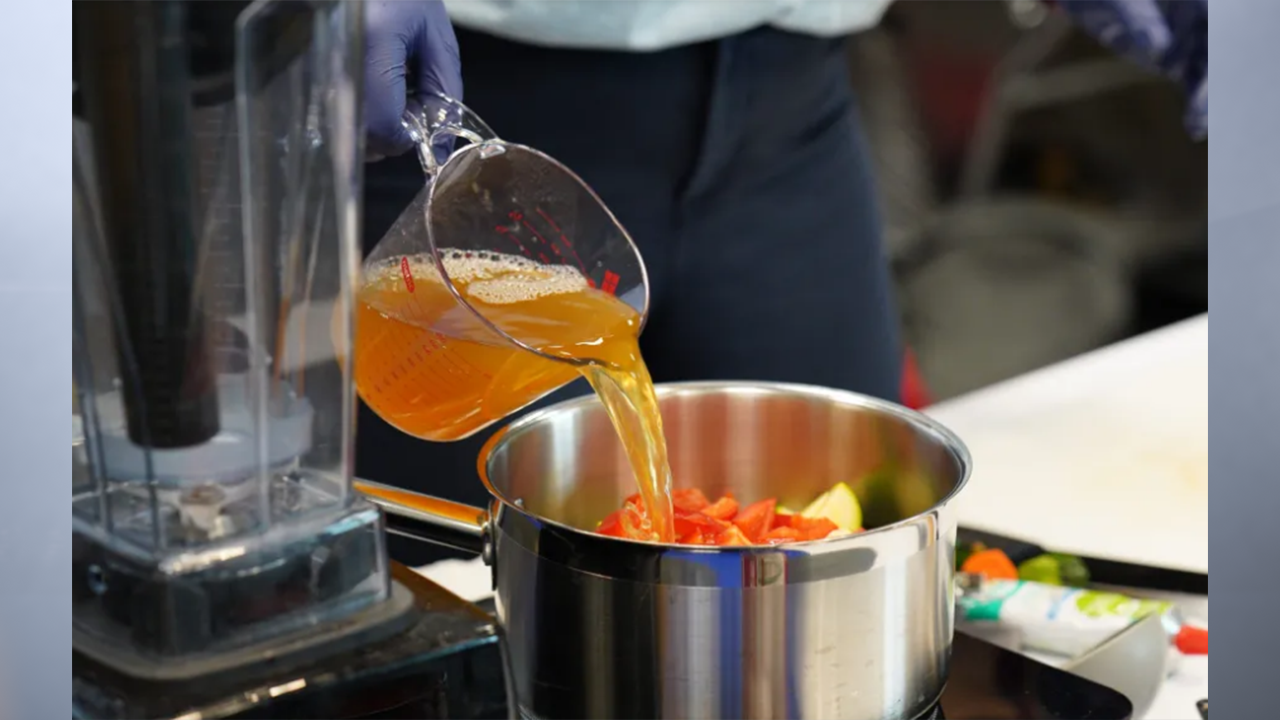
[948,439]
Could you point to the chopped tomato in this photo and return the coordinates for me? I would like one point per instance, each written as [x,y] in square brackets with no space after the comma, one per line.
[627,523]
[612,525]
[637,502]
[694,538]
[732,536]
[723,509]
[689,501]
[781,535]
[756,519]
[636,524]
[700,522]
[686,523]
[812,528]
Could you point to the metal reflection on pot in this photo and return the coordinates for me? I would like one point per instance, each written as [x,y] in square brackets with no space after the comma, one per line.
[858,627]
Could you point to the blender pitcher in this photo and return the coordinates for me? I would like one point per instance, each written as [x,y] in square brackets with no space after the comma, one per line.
[492,288]
[215,180]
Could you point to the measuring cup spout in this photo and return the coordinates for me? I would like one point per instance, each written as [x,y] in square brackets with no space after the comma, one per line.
[430,519]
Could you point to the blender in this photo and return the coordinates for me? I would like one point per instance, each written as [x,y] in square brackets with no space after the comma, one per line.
[223,564]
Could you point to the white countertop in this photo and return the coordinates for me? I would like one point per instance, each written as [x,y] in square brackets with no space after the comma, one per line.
[1105,455]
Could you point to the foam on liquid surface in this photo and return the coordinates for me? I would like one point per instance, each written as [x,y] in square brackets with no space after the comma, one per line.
[549,307]
[491,278]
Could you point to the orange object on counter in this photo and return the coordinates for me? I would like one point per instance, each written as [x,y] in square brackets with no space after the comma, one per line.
[992,564]
[1192,640]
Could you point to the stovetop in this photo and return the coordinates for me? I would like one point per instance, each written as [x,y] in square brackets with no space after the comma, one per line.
[990,683]
[987,682]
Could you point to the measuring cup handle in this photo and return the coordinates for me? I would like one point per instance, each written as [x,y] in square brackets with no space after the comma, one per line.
[435,122]
[430,519]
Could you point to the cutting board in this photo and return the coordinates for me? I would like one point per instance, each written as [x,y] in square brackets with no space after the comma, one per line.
[1105,455]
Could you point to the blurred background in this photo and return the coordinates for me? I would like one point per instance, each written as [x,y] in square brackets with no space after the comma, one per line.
[1041,196]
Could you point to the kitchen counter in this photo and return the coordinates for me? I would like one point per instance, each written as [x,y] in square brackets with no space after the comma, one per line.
[1105,455]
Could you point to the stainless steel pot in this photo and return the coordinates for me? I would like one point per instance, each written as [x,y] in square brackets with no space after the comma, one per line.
[856,628]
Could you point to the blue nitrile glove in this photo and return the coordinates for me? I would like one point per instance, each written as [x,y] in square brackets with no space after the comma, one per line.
[410,48]
[1168,36]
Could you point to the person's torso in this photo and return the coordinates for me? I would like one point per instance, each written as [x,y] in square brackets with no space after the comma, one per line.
[647,25]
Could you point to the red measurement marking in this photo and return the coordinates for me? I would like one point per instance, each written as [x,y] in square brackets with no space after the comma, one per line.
[406,273]
[564,240]
[610,282]
[507,232]
[536,234]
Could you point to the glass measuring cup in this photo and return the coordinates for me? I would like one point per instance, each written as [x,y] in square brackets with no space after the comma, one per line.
[493,287]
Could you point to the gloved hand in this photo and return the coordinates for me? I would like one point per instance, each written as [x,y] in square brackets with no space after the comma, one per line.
[410,48]
[1168,36]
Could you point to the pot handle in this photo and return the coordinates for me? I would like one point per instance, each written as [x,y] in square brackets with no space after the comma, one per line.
[430,519]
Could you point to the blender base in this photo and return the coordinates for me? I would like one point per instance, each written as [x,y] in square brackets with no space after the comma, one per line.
[447,662]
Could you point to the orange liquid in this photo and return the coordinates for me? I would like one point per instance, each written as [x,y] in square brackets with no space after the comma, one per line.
[426,365]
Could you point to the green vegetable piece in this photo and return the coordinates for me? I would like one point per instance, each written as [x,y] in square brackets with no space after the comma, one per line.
[1055,569]
[1041,569]
[1074,572]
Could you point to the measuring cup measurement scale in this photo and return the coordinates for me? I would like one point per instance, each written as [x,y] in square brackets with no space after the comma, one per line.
[501,280]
